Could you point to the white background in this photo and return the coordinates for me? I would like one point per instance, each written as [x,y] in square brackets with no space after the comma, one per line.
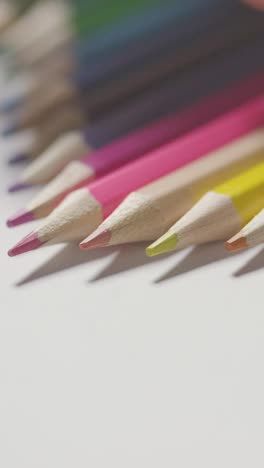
[109,359]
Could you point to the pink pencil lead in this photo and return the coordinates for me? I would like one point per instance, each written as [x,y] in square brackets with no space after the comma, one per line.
[30,242]
[100,238]
[20,218]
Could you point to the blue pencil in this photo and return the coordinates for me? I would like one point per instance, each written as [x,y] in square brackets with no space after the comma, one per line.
[97,93]
[131,40]
[173,94]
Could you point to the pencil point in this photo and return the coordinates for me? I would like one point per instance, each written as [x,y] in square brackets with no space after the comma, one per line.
[238,242]
[30,242]
[10,105]
[17,186]
[100,238]
[21,217]
[17,158]
[9,130]
[162,245]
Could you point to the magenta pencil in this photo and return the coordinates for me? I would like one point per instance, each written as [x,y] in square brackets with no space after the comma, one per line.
[145,140]
[83,210]
[110,157]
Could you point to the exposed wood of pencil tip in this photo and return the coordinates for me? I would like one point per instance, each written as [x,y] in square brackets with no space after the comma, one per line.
[66,148]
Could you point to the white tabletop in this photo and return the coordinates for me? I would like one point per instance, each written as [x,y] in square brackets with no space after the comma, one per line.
[109,359]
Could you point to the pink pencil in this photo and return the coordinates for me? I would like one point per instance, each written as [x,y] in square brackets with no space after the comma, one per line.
[135,145]
[83,210]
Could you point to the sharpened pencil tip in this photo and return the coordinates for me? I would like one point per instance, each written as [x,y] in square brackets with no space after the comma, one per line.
[100,238]
[17,158]
[9,130]
[17,186]
[30,242]
[9,105]
[238,242]
[21,217]
[162,245]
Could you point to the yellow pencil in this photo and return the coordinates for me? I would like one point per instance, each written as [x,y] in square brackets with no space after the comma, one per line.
[218,215]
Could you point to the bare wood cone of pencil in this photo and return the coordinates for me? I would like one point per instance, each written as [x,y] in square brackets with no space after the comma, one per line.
[218,215]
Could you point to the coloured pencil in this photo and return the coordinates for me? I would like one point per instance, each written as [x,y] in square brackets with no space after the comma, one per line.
[256,4]
[75,16]
[73,146]
[92,17]
[47,132]
[67,147]
[219,214]
[36,81]
[173,94]
[85,55]
[92,70]
[83,210]
[105,42]
[250,236]
[148,212]
[96,97]
[34,29]
[7,15]
[21,6]
[201,22]
[30,119]
[148,19]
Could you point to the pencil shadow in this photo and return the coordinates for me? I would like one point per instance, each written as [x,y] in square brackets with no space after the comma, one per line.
[199,257]
[70,256]
[254,264]
[128,258]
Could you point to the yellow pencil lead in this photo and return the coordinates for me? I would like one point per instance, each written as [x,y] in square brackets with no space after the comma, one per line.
[164,244]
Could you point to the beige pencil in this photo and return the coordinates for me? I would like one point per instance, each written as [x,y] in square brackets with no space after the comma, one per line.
[150,211]
[250,236]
